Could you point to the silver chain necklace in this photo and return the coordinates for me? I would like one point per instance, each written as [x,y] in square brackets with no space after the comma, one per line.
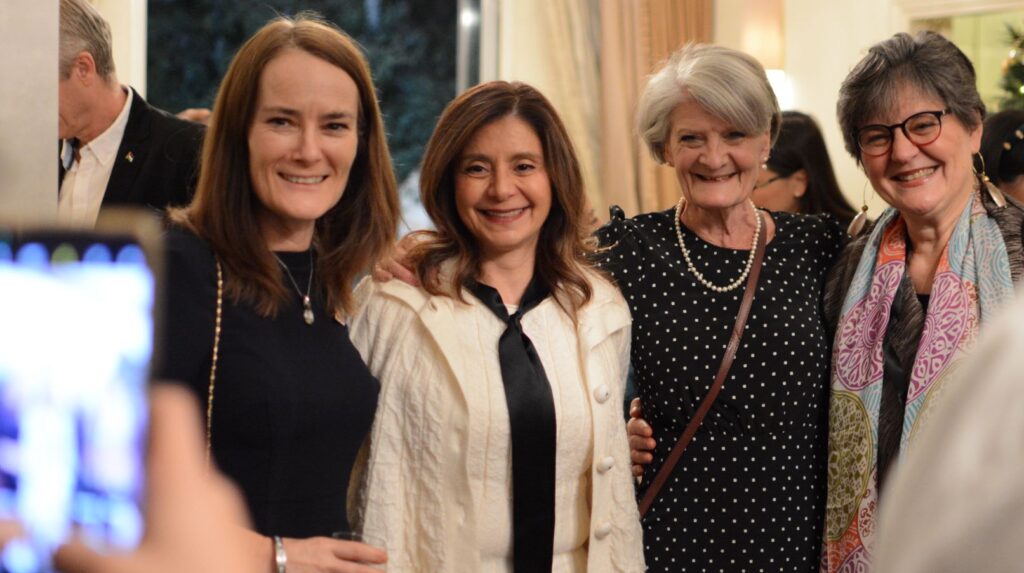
[307,313]
[693,269]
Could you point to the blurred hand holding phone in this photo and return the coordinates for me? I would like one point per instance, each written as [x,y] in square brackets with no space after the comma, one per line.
[78,325]
[76,341]
[195,520]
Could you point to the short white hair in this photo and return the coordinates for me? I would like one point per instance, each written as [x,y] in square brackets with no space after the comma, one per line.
[728,84]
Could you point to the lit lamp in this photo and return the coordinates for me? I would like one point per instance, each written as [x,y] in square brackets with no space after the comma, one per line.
[762,36]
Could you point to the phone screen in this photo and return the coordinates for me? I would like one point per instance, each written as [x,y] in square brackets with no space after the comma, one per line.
[76,338]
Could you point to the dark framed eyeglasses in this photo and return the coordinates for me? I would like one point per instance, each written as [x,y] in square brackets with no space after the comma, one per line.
[920,129]
[769,181]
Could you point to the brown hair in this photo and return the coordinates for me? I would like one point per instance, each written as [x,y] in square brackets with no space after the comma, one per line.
[562,246]
[351,235]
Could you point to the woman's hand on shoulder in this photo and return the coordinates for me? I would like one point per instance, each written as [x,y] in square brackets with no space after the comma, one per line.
[641,439]
[396,265]
[326,555]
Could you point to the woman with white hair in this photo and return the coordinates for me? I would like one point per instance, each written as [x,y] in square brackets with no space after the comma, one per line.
[749,492]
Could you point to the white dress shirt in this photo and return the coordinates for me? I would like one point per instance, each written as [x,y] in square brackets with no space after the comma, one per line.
[85,179]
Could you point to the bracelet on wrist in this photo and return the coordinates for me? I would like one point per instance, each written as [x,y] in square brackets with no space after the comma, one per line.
[280,558]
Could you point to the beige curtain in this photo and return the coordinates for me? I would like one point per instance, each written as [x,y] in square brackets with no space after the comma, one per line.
[553,45]
[636,35]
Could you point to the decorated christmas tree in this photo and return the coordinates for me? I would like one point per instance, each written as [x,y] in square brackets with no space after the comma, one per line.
[1013,71]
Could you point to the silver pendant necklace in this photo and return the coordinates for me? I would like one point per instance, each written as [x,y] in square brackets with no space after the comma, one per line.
[307,312]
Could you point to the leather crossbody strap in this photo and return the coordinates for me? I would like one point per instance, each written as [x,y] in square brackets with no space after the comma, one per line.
[723,371]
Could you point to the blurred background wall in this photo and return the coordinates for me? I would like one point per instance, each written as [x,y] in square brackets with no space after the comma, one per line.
[28,109]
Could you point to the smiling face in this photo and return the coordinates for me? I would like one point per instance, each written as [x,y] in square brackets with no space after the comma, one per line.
[302,144]
[716,164]
[927,182]
[502,190]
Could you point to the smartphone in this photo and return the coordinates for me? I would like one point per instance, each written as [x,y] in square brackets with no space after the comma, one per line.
[76,343]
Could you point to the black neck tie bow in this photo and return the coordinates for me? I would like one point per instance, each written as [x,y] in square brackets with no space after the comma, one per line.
[531,412]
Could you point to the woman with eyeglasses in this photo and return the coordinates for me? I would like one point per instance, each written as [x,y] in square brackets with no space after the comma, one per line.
[906,300]
[798,176]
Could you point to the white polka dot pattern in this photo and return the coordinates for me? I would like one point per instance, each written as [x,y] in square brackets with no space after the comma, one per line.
[748,495]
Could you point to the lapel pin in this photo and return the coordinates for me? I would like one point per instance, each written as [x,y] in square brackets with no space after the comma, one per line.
[130,156]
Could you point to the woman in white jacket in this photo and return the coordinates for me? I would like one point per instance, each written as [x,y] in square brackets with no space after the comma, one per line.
[499,444]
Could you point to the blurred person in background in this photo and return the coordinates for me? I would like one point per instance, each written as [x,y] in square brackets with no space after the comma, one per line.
[1002,152]
[798,175]
[196,114]
[116,149]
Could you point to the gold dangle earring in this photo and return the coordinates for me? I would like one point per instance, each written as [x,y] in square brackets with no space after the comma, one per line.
[860,219]
[993,192]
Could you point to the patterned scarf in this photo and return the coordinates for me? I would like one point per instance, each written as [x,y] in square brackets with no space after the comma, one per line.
[971,281]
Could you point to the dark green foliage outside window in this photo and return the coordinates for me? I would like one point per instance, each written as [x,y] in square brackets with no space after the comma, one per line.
[410,45]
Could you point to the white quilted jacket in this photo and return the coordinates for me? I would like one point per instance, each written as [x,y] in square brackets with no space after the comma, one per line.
[411,489]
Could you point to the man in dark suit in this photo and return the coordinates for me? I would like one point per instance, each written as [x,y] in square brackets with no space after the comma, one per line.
[116,149]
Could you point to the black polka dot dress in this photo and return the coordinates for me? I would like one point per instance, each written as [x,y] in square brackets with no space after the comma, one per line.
[748,494]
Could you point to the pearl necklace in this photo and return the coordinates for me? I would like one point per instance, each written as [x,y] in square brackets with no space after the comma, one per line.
[693,269]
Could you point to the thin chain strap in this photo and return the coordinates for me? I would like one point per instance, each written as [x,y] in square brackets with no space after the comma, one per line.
[213,361]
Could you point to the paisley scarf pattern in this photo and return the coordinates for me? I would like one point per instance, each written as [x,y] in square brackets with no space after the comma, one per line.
[971,281]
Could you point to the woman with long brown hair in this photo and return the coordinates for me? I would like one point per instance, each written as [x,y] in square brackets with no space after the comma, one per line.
[296,197]
[498,445]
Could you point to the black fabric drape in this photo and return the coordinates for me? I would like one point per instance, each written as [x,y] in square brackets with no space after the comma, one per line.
[531,412]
